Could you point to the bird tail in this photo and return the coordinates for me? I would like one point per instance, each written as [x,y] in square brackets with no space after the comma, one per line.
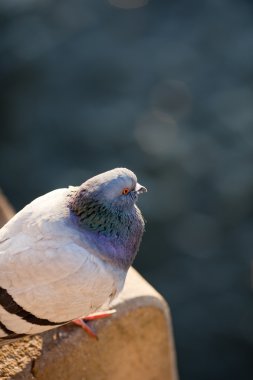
[11,338]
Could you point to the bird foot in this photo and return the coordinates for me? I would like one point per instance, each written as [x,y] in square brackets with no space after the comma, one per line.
[99,315]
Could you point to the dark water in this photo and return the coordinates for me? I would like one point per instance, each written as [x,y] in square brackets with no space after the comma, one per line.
[165,89]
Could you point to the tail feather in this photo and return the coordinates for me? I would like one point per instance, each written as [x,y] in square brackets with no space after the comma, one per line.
[11,338]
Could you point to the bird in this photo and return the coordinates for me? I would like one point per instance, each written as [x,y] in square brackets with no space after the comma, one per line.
[66,254]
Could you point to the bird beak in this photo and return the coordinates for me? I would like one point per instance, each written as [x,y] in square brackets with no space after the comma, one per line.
[140,189]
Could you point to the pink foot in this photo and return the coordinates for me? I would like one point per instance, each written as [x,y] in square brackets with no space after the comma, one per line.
[99,315]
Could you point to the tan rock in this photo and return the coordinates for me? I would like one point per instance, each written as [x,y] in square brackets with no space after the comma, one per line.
[6,210]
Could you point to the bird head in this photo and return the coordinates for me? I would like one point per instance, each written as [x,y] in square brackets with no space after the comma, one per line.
[105,206]
[117,187]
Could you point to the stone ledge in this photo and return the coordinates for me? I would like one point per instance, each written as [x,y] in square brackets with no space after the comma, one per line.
[135,343]
[6,210]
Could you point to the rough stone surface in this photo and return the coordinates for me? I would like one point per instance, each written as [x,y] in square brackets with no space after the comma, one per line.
[135,343]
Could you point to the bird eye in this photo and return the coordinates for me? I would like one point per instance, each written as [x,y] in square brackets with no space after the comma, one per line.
[125,191]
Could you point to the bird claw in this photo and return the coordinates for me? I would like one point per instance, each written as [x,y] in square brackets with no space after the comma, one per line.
[80,322]
[99,315]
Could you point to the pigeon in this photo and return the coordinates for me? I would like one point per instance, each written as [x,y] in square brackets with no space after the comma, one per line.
[66,254]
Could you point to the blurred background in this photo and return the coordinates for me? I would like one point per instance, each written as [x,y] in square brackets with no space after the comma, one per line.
[164,88]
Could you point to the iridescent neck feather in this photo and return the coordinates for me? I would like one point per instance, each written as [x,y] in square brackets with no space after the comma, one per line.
[113,229]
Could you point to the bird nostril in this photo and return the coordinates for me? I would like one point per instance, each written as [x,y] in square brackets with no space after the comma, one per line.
[140,189]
